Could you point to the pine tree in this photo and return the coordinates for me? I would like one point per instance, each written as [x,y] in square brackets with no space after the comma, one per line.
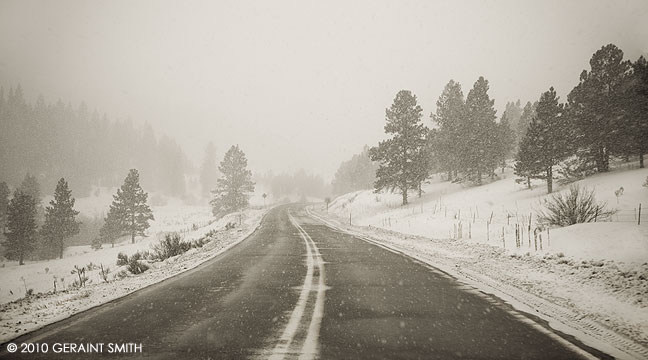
[528,113]
[546,141]
[637,105]
[233,188]
[513,112]
[505,143]
[129,213]
[596,106]
[31,187]
[358,173]
[527,159]
[449,142]
[4,204]
[112,228]
[481,155]
[209,170]
[21,226]
[402,157]
[60,222]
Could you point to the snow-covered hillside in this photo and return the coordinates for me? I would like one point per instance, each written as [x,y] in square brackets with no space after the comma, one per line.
[483,213]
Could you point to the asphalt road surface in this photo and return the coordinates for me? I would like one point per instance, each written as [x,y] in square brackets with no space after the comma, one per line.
[298,289]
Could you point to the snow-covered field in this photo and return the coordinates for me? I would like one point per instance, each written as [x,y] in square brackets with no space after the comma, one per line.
[19,314]
[589,280]
[484,212]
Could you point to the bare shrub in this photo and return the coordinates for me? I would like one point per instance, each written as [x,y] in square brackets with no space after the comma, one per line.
[170,246]
[135,266]
[104,272]
[122,259]
[576,206]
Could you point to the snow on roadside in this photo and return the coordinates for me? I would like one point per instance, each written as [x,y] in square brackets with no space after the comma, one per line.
[190,221]
[30,313]
[603,304]
[484,212]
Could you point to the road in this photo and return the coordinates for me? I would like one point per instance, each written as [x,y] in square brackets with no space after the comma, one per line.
[298,289]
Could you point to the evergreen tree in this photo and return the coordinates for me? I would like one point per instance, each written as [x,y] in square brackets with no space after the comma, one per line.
[4,204]
[513,112]
[505,143]
[112,228]
[546,141]
[209,170]
[448,142]
[129,213]
[402,157]
[528,113]
[358,173]
[21,226]
[233,188]
[31,187]
[596,106]
[60,222]
[637,105]
[480,156]
[527,160]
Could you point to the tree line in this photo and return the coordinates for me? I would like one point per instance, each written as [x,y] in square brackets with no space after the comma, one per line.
[300,183]
[357,173]
[32,231]
[606,115]
[56,140]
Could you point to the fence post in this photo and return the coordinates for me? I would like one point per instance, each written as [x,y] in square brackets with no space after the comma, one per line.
[487,232]
[469,230]
[503,238]
[639,217]
[529,230]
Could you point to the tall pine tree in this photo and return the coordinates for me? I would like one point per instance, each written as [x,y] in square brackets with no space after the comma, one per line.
[546,142]
[129,212]
[60,222]
[528,113]
[31,187]
[637,105]
[596,106]
[402,158]
[505,143]
[450,116]
[480,156]
[4,204]
[233,188]
[21,227]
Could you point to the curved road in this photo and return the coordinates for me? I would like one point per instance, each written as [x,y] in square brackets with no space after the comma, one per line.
[298,289]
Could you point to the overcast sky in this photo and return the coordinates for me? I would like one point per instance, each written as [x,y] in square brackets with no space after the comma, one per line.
[298,84]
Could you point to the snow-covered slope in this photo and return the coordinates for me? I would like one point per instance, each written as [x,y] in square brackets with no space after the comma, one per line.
[485,212]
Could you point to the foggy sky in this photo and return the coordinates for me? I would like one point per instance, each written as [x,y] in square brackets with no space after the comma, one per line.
[298,84]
